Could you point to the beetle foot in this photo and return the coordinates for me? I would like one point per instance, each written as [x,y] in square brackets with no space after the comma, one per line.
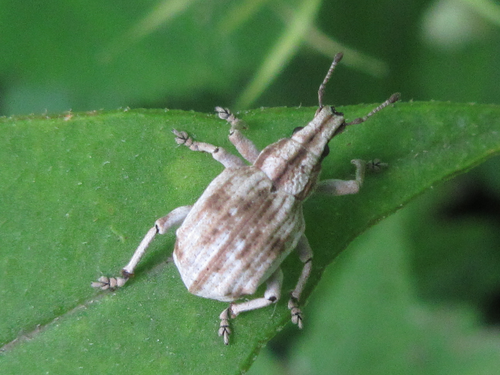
[376,165]
[224,329]
[295,312]
[182,138]
[225,114]
[112,283]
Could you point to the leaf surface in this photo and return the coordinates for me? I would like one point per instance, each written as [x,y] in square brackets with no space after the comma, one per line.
[78,194]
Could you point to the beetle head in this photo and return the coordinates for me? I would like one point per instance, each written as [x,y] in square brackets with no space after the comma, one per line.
[294,164]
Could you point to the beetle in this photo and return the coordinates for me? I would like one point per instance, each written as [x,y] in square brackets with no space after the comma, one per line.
[249,218]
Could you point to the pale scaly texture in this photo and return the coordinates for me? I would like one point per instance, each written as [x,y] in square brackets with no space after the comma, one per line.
[236,235]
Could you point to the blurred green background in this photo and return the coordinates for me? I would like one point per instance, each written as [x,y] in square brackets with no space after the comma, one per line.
[419,293]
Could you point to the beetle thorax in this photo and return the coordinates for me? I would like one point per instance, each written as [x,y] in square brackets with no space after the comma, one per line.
[323,127]
[294,164]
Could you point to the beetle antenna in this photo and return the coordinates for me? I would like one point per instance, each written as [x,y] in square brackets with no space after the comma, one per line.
[393,99]
[321,90]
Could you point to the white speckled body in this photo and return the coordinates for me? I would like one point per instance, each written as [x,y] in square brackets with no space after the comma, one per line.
[236,235]
[249,218]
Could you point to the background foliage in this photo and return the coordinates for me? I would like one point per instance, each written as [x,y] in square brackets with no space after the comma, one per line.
[425,282]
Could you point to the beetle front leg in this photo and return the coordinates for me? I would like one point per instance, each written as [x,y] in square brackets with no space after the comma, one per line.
[271,295]
[227,159]
[341,187]
[245,146]
[162,225]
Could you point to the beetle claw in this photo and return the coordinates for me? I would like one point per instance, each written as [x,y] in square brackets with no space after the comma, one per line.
[112,283]
[224,329]
[225,332]
[295,312]
[376,165]
[182,138]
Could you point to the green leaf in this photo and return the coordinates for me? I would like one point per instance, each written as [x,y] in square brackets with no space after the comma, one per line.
[78,193]
[281,53]
[367,317]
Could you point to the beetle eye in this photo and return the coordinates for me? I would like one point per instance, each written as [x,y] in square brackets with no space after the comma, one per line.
[298,128]
[325,153]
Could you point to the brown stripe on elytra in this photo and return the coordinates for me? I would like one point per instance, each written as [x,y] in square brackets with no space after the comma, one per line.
[272,231]
[281,239]
[261,217]
[220,261]
[218,199]
[214,203]
[179,254]
[274,248]
[223,193]
[230,222]
[277,244]
[218,220]
[227,267]
[217,262]
[271,252]
[254,251]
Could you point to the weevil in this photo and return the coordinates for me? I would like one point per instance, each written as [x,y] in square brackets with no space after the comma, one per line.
[249,218]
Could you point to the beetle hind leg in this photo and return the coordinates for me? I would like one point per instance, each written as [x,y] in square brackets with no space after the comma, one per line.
[271,295]
[162,225]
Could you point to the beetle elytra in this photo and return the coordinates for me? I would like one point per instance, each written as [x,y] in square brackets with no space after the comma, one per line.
[249,218]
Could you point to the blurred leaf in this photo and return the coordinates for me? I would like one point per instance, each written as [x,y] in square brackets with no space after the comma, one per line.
[239,13]
[97,55]
[175,53]
[455,239]
[353,58]
[160,15]
[78,195]
[486,8]
[301,21]
[367,318]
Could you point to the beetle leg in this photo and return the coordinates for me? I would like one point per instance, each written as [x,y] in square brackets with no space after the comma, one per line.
[305,255]
[341,187]
[271,295]
[218,153]
[244,145]
[162,225]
